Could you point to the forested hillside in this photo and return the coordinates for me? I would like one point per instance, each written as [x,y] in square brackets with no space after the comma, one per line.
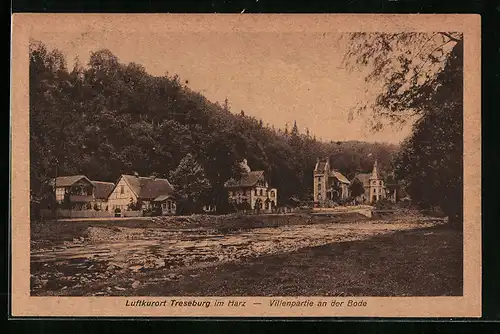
[105,118]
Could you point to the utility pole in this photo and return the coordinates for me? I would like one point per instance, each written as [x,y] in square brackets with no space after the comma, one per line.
[55,188]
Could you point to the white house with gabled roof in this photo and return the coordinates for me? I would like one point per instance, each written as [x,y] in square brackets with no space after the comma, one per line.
[144,193]
[252,189]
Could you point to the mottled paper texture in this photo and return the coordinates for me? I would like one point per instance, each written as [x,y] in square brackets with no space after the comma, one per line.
[235,56]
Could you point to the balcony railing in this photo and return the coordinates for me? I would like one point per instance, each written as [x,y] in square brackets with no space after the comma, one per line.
[80,198]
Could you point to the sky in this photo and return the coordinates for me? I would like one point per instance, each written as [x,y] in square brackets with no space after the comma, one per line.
[279,77]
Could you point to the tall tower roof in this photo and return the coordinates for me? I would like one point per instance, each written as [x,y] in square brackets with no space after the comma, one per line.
[374,175]
[322,166]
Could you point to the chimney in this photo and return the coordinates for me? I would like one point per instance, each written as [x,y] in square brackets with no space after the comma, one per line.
[136,174]
[244,166]
[153,176]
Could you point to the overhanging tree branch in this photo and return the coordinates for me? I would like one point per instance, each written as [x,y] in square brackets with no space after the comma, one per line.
[450,36]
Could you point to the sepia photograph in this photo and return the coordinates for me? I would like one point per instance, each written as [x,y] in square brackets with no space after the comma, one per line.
[246,163]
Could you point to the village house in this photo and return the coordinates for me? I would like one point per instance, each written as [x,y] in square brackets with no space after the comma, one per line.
[252,189]
[330,186]
[79,193]
[74,192]
[134,192]
[376,187]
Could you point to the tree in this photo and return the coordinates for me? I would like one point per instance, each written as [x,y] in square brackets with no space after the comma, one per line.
[190,183]
[431,160]
[408,67]
[295,129]
[51,125]
[356,188]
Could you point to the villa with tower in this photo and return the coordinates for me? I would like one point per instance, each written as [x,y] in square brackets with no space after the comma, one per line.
[330,186]
[376,187]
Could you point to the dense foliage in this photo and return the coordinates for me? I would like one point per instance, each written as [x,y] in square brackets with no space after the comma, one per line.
[422,76]
[431,160]
[190,184]
[356,188]
[109,118]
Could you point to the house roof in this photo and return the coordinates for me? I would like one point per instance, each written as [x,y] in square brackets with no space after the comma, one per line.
[161,198]
[148,187]
[68,181]
[321,166]
[102,189]
[364,178]
[249,179]
[375,174]
[340,176]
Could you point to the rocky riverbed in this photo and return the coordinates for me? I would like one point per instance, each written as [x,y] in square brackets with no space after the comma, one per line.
[109,258]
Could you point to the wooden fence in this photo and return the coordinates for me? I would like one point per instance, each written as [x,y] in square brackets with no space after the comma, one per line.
[132,214]
[48,214]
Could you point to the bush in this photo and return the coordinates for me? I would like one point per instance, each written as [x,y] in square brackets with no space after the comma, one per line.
[134,206]
[156,211]
[385,204]
[152,212]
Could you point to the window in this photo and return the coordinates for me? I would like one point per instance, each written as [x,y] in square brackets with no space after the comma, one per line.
[122,189]
[244,192]
[255,192]
[261,192]
[272,193]
[60,194]
[319,186]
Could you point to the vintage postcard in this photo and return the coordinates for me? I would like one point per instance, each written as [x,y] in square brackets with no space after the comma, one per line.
[246,165]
